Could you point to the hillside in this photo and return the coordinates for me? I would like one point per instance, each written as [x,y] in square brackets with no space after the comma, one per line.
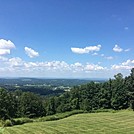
[90,123]
[51,87]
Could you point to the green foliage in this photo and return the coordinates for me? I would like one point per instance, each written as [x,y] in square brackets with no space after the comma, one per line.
[21,121]
[31,105]
[117,94]
[59,116]
[12,122]
[50,108]
[8,123]
[1,123]
[7,104]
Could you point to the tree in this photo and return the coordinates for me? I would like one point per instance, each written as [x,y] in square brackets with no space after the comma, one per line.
[129,84]
[119,98]
[7,104]
[132,73]
[50,108]
[31,105]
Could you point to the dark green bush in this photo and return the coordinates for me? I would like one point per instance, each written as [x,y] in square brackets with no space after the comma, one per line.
[21,121]
[60,115]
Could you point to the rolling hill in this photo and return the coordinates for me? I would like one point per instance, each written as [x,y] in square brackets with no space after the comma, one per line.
[121,122]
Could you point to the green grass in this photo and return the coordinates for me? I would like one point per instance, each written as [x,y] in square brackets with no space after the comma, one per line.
[121,122]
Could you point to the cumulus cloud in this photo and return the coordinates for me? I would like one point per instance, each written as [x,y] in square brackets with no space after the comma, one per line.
[15,62]
[79,50]
[73,69]
[3,58]
[17,67]
[127,65]
[93,67]
[4,51]
[6,46]
[117,49]
[93,48]
[47,66]
[76,67]
[30,52]
[86,49]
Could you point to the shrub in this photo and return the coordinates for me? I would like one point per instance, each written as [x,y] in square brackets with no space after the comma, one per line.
[8,123]
[59,116]
[1,123]
[21,121]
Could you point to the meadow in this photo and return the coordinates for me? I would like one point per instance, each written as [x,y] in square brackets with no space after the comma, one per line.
[120,122]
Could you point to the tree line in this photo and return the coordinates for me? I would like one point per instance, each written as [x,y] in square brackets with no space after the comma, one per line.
[117,93]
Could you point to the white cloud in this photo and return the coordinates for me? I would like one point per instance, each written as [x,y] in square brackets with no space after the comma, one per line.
[79,50]
[94,54]
[128,62]
[15,62]
[93,48]
[93,67]
[30,64]
[53,65]
[109,58]
[127,50]
[127,65]
[4,51]
[17,67]
[117,49]
[76,67]
[6,46]
[78,64]
[86,49]
[31,53]
[3,58]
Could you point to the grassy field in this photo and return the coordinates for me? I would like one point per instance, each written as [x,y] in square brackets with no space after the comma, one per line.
[121,122]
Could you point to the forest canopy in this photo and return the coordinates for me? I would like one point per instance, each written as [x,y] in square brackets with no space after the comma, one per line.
[117,93]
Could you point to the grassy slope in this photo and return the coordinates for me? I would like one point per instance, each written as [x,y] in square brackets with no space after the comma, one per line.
[92,123]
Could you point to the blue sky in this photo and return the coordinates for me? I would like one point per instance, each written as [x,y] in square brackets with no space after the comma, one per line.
[66,38]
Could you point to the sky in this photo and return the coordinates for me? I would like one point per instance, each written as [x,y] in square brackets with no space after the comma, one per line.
[66,38]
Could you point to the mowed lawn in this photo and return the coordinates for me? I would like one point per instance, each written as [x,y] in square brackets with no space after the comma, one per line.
[121,122]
